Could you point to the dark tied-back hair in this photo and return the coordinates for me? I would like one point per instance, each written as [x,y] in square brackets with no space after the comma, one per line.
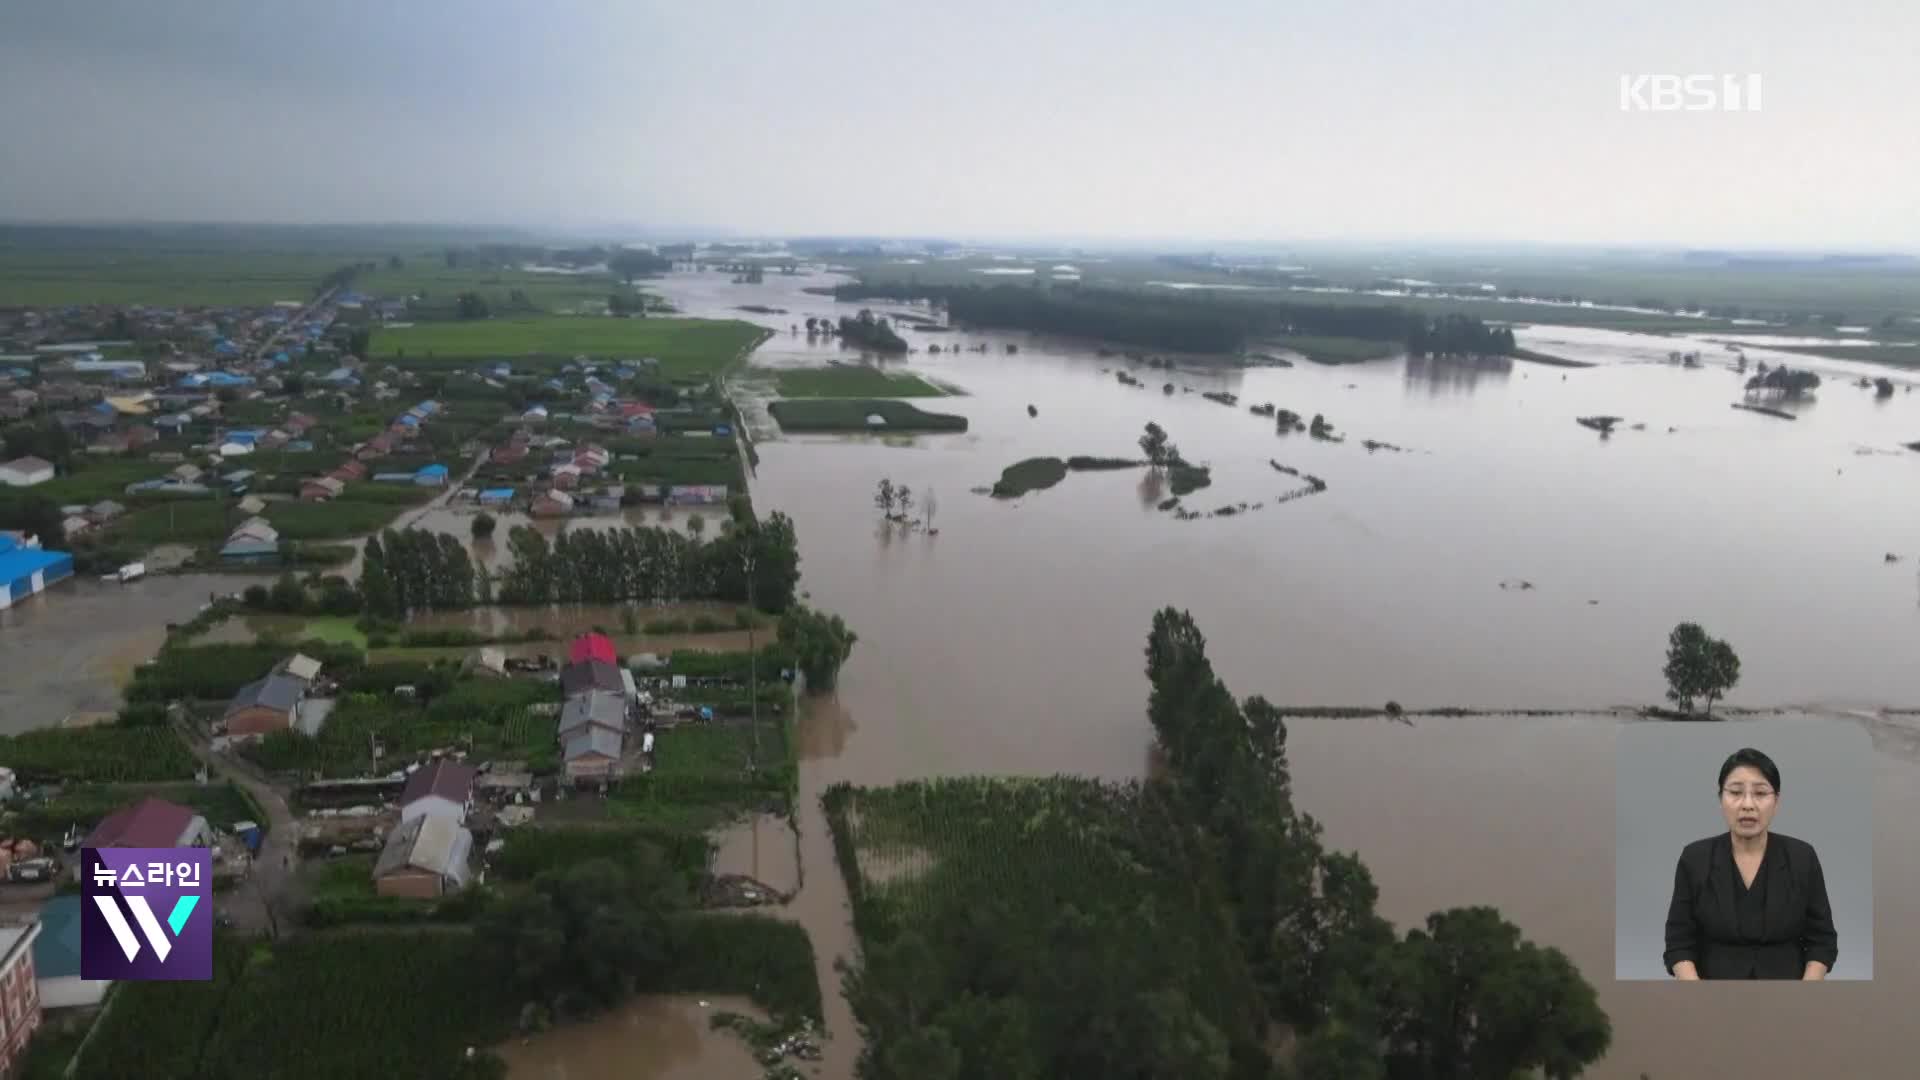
[1747,755]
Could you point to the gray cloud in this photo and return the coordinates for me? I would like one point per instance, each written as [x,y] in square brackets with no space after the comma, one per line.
[1361,118]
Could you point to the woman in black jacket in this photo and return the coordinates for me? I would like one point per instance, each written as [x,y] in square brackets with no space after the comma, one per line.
[1750,903]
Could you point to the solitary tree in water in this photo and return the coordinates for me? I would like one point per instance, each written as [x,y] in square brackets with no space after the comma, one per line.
[1699,666]
[903,497]
[1154,444]
[883,497]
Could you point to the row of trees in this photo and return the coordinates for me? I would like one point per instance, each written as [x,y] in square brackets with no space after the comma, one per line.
[1466,996]
[751,561]
[409,570]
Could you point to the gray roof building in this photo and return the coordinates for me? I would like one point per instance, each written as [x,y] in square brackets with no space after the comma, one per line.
[578,678]
[593,740]
[593,709]
[277,692]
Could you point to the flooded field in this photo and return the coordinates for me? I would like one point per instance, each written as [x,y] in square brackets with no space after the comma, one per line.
[656,1037]
[1011,642]
[71,648]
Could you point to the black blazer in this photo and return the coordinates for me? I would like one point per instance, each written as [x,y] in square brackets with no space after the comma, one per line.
[1702,921]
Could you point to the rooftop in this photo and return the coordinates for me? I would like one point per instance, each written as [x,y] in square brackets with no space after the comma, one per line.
[151,822]
[277,692]
[448,779]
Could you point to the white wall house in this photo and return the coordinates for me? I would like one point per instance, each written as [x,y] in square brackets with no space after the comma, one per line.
[26,472]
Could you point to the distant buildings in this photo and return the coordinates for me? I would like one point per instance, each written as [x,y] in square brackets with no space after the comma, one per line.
[26,472]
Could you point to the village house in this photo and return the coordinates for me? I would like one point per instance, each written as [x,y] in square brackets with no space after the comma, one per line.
[592,753]
[26,568]
[321,488]
[552,504]
[56,958]
[256,540]
[26,472]
[264,705]
[426,857]
[604,709]
[105,511]
[19,990]
[585,675]
[443,787]
[151,822]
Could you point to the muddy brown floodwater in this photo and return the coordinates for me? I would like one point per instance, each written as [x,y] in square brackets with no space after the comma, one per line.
[72,648]
[655,1037]
[1011,642]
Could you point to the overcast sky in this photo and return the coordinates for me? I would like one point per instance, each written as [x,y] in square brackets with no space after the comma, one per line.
[1201,120]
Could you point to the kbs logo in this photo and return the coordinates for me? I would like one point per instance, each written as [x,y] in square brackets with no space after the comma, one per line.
[146,913]
[1689,93]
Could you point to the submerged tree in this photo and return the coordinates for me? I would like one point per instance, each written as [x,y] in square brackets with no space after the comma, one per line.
[819,642]
[1154,444]
[884,497]
[1698,666]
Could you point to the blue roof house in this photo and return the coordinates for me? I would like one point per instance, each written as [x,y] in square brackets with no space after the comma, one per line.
[56,958]
[25,571]
[431,476]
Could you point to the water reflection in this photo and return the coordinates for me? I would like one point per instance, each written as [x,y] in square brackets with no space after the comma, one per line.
[1453,375]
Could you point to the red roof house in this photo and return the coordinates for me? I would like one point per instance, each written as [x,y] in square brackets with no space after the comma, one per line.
[591,647]
[151,822]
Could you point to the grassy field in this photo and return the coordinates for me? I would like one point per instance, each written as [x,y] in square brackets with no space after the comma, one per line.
[850,414]
[685,347]
[849,380]
[30,277]
[429,276]
[207,520]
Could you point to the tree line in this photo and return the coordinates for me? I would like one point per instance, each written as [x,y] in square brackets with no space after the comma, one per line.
[1196,322]
[752,561]
[1465,996]
[1457,335]
[410,570]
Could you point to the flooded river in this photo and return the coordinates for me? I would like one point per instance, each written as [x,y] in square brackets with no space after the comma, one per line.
[1011,642]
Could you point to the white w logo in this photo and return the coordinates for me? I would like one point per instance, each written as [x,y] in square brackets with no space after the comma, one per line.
[149,925]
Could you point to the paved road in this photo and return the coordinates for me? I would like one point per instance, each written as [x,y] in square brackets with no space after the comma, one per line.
[299,317]
[266,900]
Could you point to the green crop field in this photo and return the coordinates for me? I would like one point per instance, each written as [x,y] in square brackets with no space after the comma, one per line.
[32,277]
[850,414]
[685,347]
[849,380]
